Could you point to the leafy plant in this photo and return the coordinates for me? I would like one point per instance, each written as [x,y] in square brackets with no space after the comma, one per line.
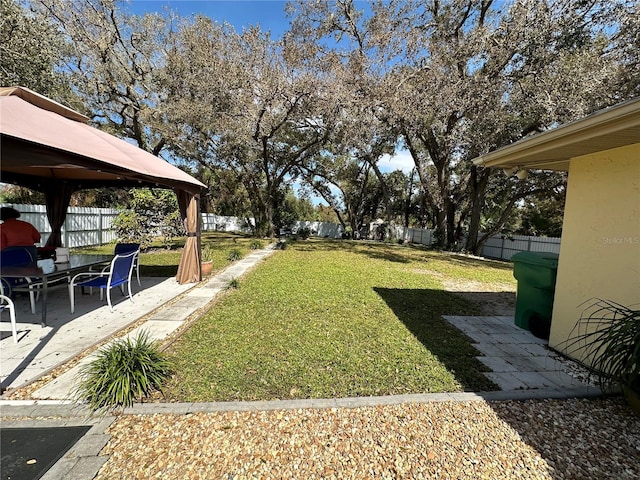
[233,283]
[124,371]
[208,253]
[151,213]
[235,254]
[608,337]
[256,244]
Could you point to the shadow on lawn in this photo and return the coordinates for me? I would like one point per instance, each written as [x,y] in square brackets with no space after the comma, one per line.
[421,311]
[375,250]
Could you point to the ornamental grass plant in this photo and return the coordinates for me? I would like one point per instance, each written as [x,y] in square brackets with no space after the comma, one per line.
[607,337]
[124,371]
[234,255]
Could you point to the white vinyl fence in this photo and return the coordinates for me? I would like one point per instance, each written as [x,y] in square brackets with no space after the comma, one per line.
[86,226]
[421,236]
[219,223]
[503,247]
[83,226]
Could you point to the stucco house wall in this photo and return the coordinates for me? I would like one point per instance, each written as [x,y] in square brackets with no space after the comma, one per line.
[600,247]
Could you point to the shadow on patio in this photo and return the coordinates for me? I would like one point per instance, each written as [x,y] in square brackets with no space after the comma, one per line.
[41,349]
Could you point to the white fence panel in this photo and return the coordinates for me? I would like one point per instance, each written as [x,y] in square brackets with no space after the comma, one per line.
[503,247]
[89,226]
[220,223]
[82,227]
[320,229]
[421,236]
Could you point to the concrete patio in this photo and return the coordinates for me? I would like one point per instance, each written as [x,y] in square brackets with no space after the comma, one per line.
[40,349]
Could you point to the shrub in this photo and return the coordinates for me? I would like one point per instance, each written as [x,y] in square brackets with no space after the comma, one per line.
[256,244]
[234,255]
[125,371]
[150,213]
[304,233]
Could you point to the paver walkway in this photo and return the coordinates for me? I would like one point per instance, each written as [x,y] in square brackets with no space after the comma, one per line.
[519,361]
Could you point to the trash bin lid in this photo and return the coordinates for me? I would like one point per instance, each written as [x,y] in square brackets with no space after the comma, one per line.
[543,259]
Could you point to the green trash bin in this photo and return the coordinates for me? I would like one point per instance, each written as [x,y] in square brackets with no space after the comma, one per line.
[536,275]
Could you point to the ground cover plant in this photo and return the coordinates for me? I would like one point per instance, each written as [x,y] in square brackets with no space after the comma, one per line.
[335,319]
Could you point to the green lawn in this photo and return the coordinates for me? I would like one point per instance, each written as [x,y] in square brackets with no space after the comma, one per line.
[329,318]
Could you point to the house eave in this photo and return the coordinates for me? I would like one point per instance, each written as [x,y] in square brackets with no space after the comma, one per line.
[606,129]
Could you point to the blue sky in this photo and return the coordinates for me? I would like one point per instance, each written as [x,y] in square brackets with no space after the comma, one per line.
[269,14]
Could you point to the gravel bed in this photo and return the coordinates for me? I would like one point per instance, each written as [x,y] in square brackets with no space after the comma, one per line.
[534,439]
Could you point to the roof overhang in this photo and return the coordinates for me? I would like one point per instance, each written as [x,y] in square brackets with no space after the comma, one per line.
[606,129]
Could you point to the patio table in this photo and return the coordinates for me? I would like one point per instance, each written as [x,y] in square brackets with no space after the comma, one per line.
[47,271]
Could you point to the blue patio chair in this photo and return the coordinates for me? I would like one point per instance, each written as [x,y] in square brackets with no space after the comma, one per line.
[16,257]
[118,275]
[122,248]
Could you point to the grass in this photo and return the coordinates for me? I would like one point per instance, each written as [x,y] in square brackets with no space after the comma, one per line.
[335,319]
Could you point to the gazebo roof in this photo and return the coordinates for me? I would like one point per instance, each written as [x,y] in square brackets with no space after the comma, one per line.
[43,141]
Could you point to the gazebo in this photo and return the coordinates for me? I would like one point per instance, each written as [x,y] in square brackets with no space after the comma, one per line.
[48,147]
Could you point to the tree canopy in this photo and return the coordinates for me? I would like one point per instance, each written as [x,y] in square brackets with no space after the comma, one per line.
[349,84]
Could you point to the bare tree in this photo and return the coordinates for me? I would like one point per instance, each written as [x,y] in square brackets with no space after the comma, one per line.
[463,77]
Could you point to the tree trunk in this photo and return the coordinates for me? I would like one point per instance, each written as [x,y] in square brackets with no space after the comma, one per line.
[477,191]
[451,223]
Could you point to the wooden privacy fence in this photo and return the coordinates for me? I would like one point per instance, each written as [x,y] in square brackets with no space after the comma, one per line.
[85,226]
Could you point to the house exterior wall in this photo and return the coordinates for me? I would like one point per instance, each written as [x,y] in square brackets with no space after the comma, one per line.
[600,247]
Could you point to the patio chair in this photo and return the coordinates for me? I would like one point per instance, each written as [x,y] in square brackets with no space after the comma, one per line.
[7,304]
[15,257]
[122,248]
[118,275]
